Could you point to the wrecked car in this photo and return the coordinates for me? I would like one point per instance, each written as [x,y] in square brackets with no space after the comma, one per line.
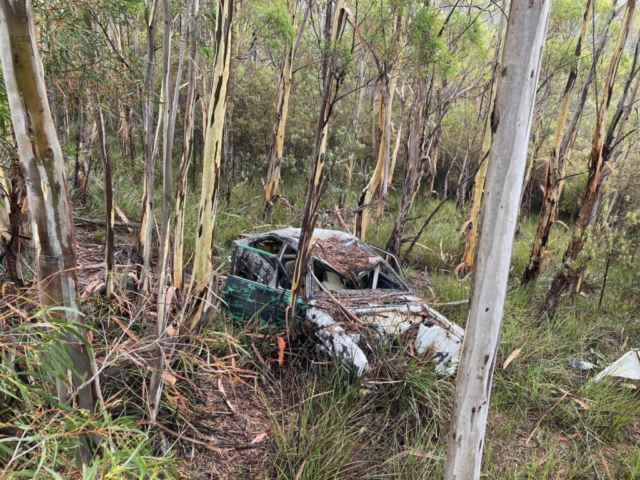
[346,278]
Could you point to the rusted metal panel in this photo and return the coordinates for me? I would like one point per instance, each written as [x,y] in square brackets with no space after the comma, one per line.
[244,300]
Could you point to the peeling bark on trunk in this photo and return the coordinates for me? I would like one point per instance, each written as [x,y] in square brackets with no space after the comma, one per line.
[53,232]
[108,201]
[613,141]
[556,167]
[334,27]
[478,182]
[145,240]
[491,122]
[187,152]
[274,157]
[571,271]
[377,186]
[13,193]
[211,163]
[512,122]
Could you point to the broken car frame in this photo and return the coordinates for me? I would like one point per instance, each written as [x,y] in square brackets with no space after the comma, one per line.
[349,289]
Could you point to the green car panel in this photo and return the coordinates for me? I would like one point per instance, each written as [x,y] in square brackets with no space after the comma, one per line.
[244,299]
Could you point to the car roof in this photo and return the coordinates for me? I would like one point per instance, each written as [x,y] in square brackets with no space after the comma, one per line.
[292,235]
[343,251]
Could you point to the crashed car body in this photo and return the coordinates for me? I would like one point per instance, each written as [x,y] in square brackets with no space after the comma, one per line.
[345,277]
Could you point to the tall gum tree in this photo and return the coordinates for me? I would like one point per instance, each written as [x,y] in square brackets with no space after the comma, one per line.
[146,217]
[572,269]
[187,150]
[200,285]
[387,66]
[512,113]
[556,168]
[48,199]
[274,157]
[334,27]
[472,226]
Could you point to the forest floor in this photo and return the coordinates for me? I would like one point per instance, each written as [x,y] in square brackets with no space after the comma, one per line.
[232,411]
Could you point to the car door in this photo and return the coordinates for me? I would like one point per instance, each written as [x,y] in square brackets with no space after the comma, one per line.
[246,293]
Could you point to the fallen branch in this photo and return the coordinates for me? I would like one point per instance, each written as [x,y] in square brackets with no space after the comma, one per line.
[102,223]
[214,447]
[341,219]
[451,304]
[342,308]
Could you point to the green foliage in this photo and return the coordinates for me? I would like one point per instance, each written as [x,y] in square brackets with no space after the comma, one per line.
[272,23]
[39,433]
[429,49]
[5,114]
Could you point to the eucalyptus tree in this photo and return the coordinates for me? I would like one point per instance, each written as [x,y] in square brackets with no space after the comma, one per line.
[512,112]
[556,164]
[386,50]
[192,8]
[108,201]
[291,40]
[53,231]
[573,267]
[439,45]
[333,74]
[472,225]
[146,216]
[211,164]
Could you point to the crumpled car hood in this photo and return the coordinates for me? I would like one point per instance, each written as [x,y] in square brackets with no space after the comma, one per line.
[393,313]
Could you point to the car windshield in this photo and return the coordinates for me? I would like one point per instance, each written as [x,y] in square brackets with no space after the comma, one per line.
[351,265]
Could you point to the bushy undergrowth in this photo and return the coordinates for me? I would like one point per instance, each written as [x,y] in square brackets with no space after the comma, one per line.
[39,433]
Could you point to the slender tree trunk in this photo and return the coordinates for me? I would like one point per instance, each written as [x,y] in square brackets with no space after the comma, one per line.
[571,271]
[555,167]
[87,132]
[377,186]
[478,181]
[334,27]
[513,110]
[187,152]
[274,157]
[414,168]
[126,132]
[211,164]
[108,201]
[168,124]
[53,232]
[613,141]
[145,240]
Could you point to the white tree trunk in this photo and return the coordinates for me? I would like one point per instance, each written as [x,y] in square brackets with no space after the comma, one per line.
[48,198]
[507,158]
